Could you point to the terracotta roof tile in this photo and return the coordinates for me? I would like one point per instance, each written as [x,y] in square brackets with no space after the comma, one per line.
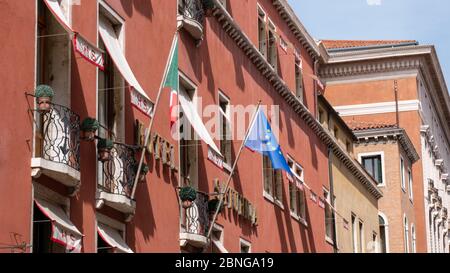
[333,44]
[360,126]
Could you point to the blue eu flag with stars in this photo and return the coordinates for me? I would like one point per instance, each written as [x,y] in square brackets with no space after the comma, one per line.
[261,139]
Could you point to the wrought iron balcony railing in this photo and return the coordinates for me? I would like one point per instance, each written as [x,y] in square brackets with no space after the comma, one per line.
[118,173]
[58,136]
[192,9]
[197,216]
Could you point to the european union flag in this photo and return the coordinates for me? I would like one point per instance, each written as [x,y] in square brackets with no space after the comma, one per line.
[262,140]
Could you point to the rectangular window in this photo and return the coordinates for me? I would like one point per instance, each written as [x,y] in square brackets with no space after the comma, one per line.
[188,144]
[373,166]
[297,196]
[273,180]
[374,243]
[402,173]
[262,32]
[42,232]
[354,235]
[361,237]
[225,128]
[410,184]
[273,46]
[299,80]
[329,216]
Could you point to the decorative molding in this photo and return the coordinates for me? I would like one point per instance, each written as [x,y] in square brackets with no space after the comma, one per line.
[278,84]
[377,108]
[389,134]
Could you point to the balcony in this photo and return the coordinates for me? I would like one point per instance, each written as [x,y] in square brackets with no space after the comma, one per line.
[191,16]
[195,223]
[57,146]
[116,179]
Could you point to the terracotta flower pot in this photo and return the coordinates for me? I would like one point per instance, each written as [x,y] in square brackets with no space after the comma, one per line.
[44,104]
[186,204]
[104,155]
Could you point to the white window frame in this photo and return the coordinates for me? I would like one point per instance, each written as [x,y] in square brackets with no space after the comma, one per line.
[243,242]
[410,185]
[271,27]
[301,178]
[402,173]
[361,235]
[386,230]
[354,231]
[223,97]
[406,234]
[268,196]
[328,199]
[383,169]
[259,10]
[413,238]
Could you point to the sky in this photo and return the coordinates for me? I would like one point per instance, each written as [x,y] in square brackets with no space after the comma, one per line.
[427,21]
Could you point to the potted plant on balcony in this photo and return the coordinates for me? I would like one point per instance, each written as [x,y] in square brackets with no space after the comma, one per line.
[44,95]
[212,205]
[143,173]
[104,147]
[187,195]
[208,6]
[88,128]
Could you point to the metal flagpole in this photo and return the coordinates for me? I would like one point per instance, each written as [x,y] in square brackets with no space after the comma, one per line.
[222,194]
[149,129]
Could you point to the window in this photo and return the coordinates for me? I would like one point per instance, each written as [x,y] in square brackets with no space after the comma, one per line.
[329,215]
[336,132]
[383,234]
[410,184]
[321,117]
[273,180]
[374,242]
[354,234]
[245,246]
[297,196]
[217,236]
[361,236]
[273,46]
[406,234]
[225,129]
[348,146]
[373,165]
[42,232]
[188,143]
[413,238]
[402,173]
[262,32]
[299,80]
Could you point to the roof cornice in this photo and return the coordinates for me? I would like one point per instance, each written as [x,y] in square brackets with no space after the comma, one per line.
[383,135]
[297,28]
[250,50]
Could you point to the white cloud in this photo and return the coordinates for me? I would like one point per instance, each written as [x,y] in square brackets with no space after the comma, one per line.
[374,2]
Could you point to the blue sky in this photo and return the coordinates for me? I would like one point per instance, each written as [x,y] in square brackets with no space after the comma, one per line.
[427,21]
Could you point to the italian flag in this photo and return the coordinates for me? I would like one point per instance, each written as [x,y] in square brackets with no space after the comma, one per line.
[171,80]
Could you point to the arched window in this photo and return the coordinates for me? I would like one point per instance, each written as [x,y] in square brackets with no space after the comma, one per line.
[384,237]
[406,234]
[413,238]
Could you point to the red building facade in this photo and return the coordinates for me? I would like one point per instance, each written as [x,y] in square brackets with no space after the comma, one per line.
[240,53]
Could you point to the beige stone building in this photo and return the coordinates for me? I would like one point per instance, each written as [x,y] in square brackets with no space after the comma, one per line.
[355,192]
[388,154]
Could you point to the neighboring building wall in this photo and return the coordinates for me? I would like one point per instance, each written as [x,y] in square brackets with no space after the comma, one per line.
[352,198]
[395,203]
[367,90]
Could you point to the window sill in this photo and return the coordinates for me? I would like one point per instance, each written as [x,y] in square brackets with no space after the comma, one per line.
[329,240]
[272,200]
[299,219]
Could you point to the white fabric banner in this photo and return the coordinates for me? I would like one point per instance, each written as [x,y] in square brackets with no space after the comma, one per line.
[64,232]
[113,238]
[114,49]
[89,52]
[195,120]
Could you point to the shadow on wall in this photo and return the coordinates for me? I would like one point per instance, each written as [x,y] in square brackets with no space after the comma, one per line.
[144,7]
